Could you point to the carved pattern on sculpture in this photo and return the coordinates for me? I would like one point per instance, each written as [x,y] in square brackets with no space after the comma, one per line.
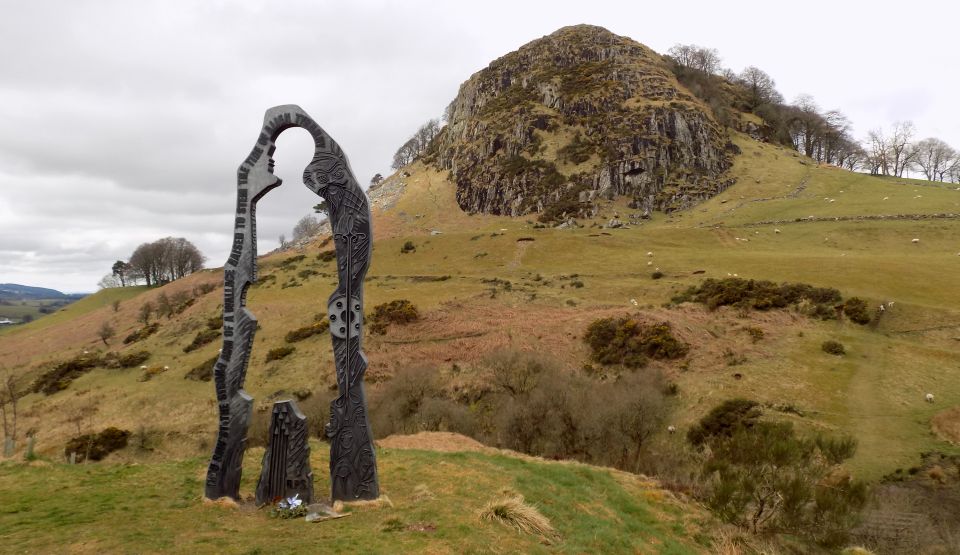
[286,461]
[352,459]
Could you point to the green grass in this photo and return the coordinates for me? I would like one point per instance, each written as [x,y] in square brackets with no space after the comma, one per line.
[17,310]
[157,508]
[874,393]
[100,299]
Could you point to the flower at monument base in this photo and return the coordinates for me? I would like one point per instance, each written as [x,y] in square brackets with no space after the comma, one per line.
[291,507]
[291,502]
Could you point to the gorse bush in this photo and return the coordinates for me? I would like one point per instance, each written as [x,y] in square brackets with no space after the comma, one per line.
[724,419]
[763,476]
[400,311]
[202,372]
[577,151]
[141,333]
[629,342]
[290,263]
[305,332]
[762,295]
[60,376]
[130,360]
[833,347]
[279,353]
[856,309]
[202,338]
[97,446]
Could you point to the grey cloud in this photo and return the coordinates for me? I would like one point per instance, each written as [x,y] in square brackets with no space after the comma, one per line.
[122,122]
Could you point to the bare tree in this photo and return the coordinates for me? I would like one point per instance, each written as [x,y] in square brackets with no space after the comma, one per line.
[8,410]
[108,281]
[902,153]
[166,260]
[953,172]
[878,153]
[760,86]
[699,58]
[934,158]
[416,145]
[146,311]
[307,227]
[807,125]
[106,332]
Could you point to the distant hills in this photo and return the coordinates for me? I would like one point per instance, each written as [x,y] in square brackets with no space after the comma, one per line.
[17,292]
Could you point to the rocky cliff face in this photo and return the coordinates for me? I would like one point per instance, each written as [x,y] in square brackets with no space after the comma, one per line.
[577,115]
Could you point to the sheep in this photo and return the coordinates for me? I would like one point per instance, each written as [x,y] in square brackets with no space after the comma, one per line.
[929,397]
[776,230]
[649,263]
[915,241]
[166,368]
[649,253]
[672,429]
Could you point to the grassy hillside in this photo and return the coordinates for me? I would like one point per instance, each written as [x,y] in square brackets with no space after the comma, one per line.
[786,219]
[100,299]
[435,503]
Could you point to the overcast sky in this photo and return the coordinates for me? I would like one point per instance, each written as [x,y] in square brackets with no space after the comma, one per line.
[124,122]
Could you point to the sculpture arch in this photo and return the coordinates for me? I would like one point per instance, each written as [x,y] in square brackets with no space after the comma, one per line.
[353,470]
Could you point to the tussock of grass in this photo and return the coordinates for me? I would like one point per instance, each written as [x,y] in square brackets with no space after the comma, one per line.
[511,510]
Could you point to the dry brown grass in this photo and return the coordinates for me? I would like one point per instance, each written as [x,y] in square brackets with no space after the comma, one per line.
[513,511]
[444,442]
[946,424]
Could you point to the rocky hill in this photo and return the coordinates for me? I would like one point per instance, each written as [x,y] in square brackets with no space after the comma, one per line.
[576,115]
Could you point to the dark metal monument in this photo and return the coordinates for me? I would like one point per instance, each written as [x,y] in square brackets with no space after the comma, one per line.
[353,466]
[286,462]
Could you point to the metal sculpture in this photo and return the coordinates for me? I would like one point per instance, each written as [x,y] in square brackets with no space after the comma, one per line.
[286,461]
[353,468]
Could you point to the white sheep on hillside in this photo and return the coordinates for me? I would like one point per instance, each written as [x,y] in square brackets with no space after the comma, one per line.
[915,241]
[929,397]
[672,429]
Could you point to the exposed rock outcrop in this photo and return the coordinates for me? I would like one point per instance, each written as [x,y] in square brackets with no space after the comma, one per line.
[574,116]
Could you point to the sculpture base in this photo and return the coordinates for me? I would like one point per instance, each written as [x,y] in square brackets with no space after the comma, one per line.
[286,462]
